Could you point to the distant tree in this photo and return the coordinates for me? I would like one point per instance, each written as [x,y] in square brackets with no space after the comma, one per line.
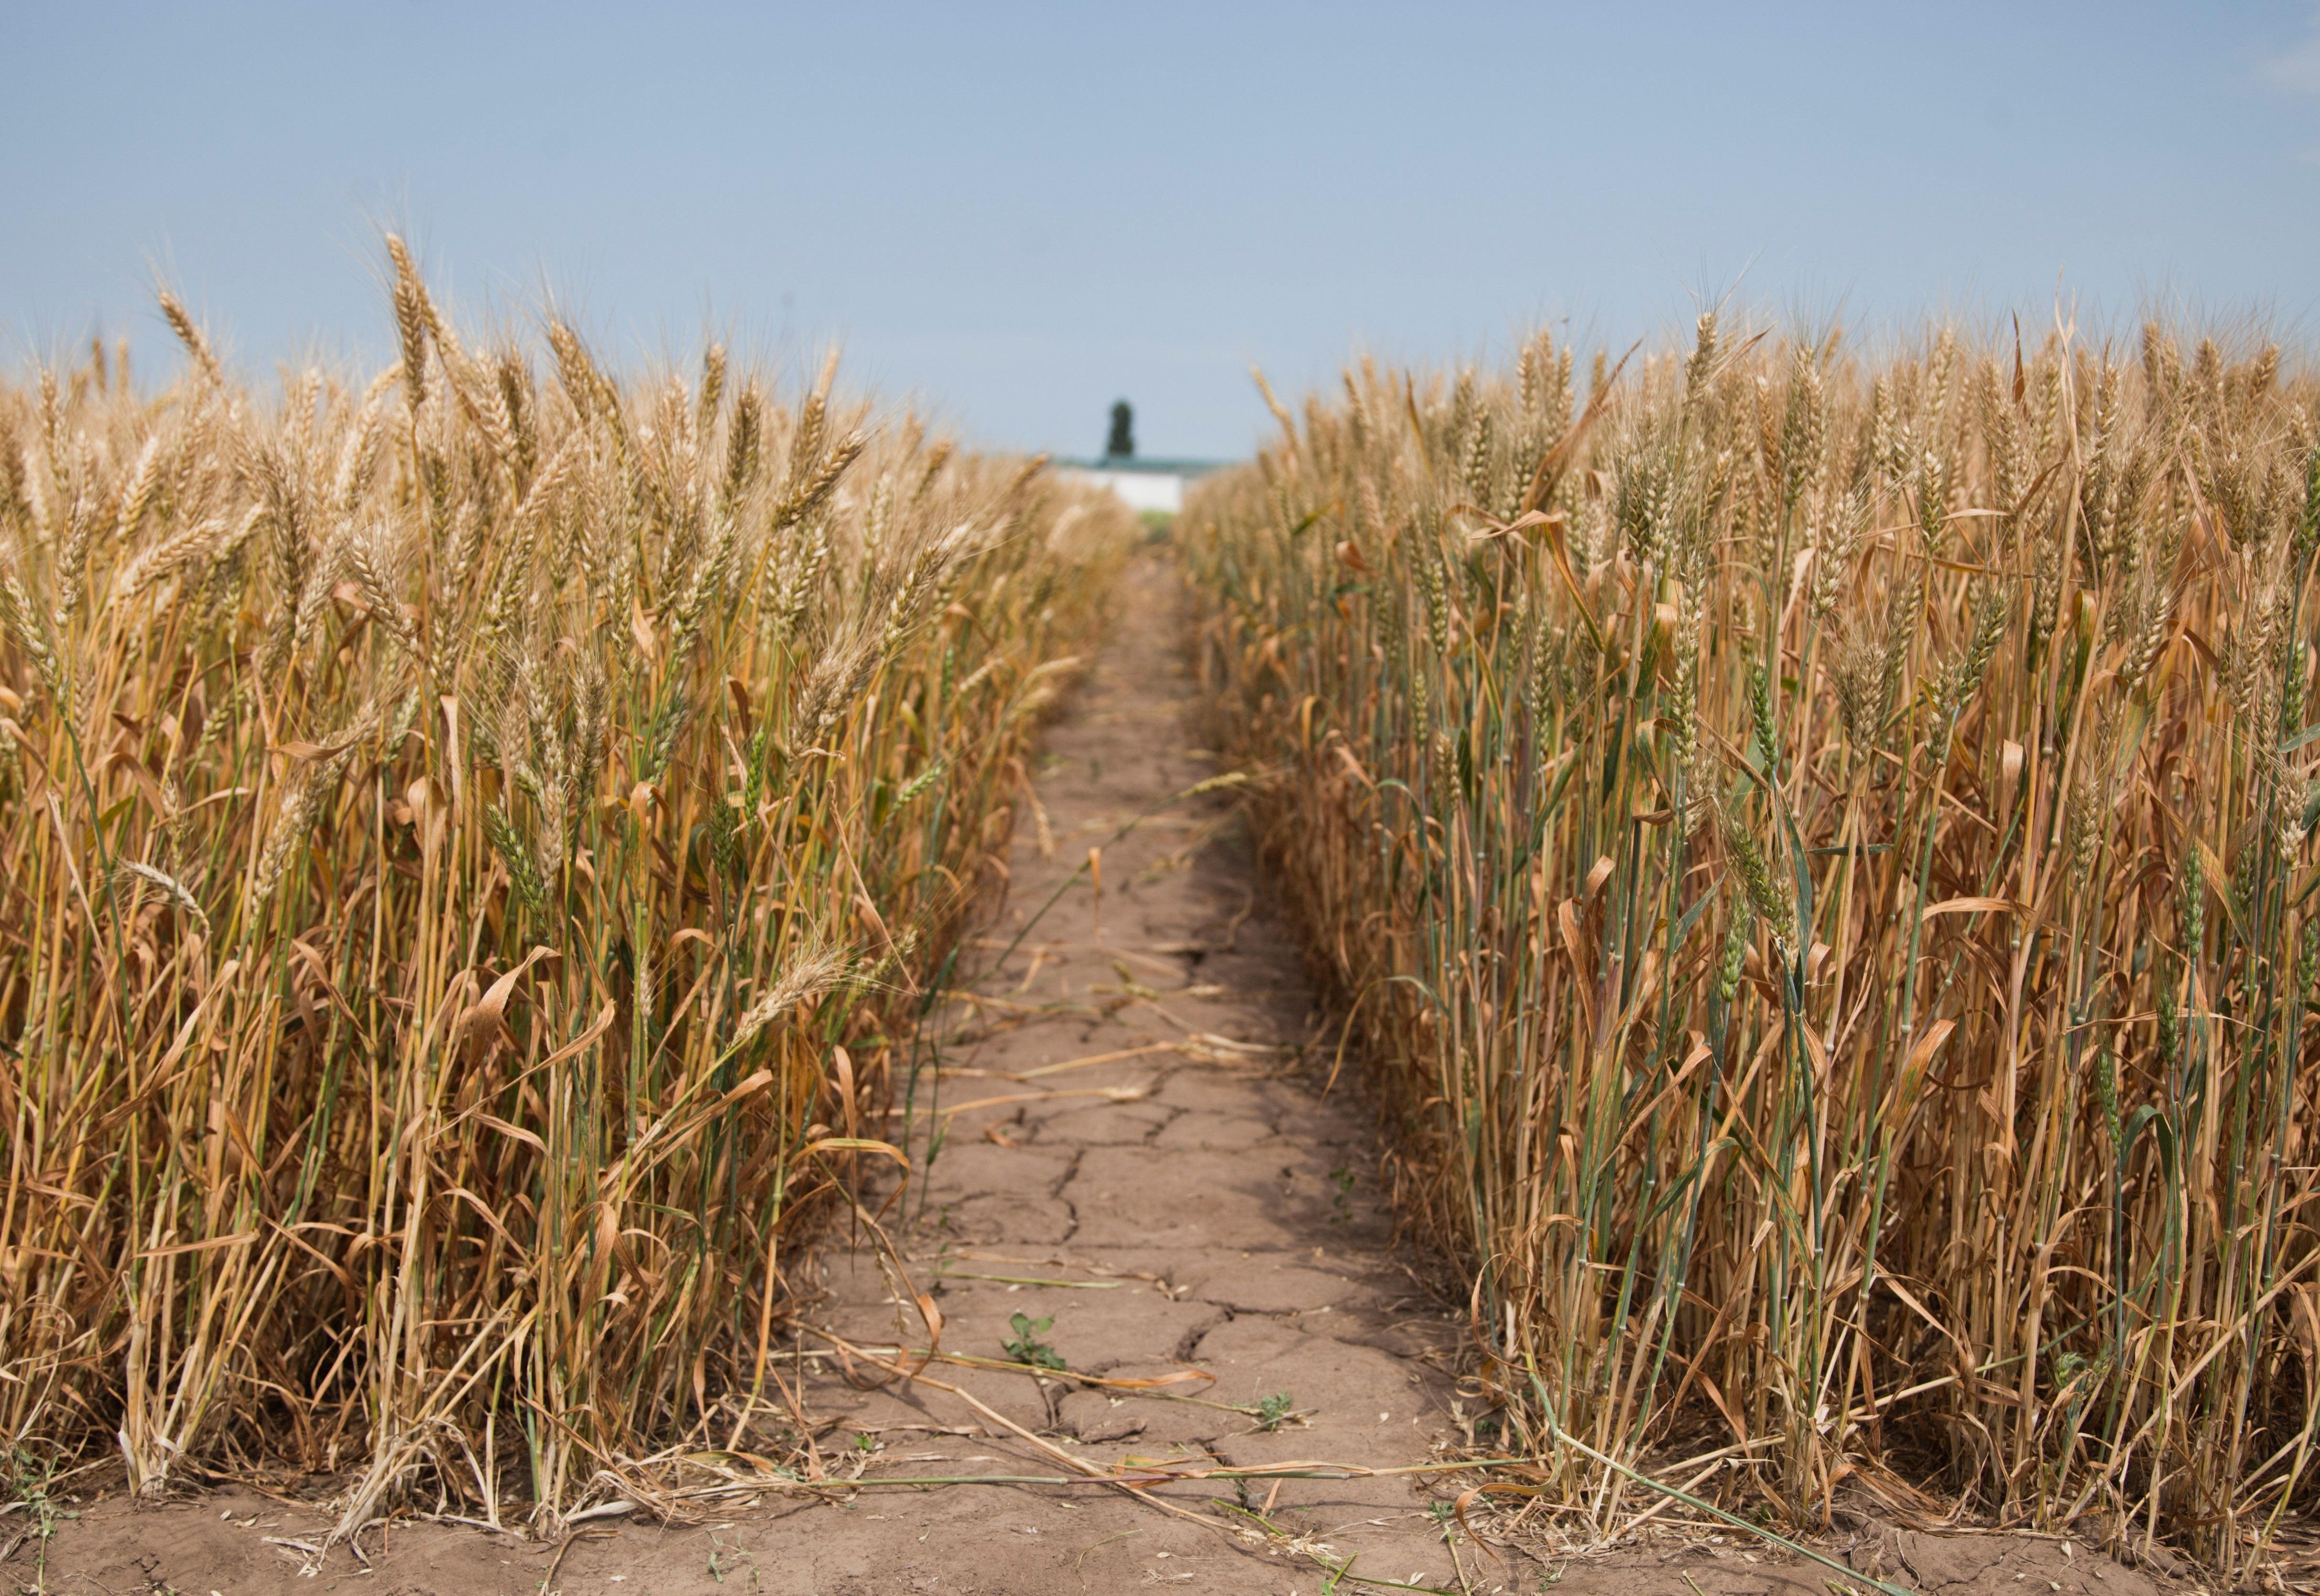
[1122,443]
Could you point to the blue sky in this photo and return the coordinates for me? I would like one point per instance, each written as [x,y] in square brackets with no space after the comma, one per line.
[1021,212]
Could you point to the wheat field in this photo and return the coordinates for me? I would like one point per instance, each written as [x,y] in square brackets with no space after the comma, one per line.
[1810,845]
[474,845]
[1814,846]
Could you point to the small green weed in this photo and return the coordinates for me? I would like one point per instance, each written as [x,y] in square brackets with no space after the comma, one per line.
[1274,1409]
[1027,1346]
[25,1479]
[722,1559]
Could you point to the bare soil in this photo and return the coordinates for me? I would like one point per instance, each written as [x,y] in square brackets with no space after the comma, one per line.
[1195,1202]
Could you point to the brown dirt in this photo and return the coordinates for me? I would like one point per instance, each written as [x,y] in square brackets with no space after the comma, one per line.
[1214,1211]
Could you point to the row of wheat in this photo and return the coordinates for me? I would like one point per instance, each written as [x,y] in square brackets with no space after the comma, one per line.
[1817,846]
[469,851]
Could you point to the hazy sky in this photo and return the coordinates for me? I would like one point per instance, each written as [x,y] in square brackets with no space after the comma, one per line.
[1021,212]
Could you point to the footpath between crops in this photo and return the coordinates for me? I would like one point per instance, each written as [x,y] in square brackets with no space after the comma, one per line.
[1139,1180]
[1143,1193]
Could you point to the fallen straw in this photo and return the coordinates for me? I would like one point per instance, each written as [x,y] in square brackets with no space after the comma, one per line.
[1141,1480]
[1556,1432]
[992,1415]
[1138,1482]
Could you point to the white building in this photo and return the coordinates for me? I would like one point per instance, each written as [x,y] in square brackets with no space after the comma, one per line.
[1143,485]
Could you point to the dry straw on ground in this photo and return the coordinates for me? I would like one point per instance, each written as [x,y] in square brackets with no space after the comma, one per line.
[1819,848]
[469,847]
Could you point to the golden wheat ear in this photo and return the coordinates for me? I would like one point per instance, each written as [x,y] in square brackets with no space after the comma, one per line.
[429,904]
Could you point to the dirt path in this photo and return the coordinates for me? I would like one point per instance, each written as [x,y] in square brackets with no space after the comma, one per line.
[1189,1202]
[1216,1213]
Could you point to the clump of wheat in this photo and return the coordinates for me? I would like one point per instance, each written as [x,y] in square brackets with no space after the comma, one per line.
[447,825]
[1946,1107]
